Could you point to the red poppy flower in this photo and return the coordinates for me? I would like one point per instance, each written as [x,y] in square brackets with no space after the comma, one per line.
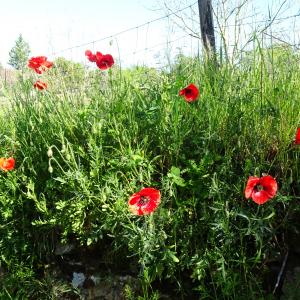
[90,56]
[7,164]
[39,64]
[144,202]
[36,62]
[105,61]
[261,189]
[190,93]
[297,137]
[40,85]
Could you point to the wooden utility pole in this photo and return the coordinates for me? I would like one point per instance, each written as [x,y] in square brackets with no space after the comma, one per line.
[207,27]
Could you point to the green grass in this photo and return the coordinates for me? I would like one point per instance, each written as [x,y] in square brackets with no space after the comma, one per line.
[114,133]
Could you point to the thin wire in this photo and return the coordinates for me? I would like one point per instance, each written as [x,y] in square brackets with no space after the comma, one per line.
[161,18]
[138,51]
[171,42]
[281,40]
[155,46]
[124,31]
[263,21]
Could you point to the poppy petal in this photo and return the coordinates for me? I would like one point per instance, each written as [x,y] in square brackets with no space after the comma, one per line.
[297,137]
[136,210]
[99,55]
[2,159]
[260,197]
[40,85]
[269,184]
[134,199]
[252,182]
[181,92]
[48,64]
[88,52]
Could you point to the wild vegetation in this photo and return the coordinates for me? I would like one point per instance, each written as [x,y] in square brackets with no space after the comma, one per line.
[92,139]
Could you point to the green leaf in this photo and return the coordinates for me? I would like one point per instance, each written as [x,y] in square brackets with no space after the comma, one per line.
[174,257]
[175,177]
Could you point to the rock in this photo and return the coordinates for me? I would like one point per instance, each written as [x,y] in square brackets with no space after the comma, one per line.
[78,279]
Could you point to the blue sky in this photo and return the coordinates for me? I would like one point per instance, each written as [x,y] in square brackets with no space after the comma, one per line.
[50,26]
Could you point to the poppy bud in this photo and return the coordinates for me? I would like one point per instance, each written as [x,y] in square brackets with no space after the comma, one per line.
[50,152]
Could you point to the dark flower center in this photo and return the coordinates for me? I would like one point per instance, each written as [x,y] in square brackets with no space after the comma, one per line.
[258,188]
[188,92]
[143,200]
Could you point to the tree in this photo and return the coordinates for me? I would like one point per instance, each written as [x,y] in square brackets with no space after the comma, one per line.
[18,55]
